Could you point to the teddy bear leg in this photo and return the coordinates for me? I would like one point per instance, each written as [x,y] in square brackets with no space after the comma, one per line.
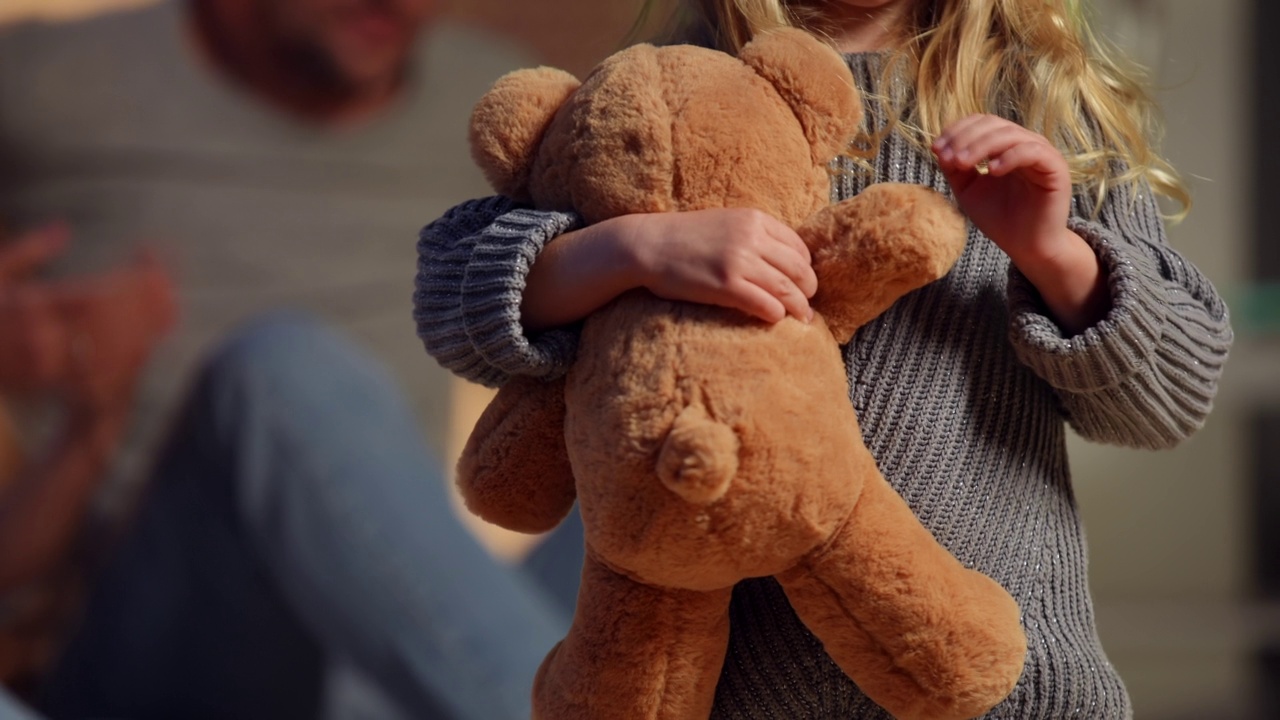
[635,652]
[922,635]
[514,470]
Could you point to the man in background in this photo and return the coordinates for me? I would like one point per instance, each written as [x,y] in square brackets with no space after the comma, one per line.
[274,154]
[43,498]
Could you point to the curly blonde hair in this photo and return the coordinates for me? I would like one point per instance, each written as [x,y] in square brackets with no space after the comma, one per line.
[1036,61]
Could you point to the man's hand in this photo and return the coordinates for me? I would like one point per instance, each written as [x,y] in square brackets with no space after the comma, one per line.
[113,323]
[83,339]
[33,341]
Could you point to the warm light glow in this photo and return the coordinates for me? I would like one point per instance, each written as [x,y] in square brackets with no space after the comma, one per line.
[11,10]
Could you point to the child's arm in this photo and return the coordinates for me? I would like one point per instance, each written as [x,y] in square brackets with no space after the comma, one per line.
[743,259]
[1146,374]
[487,311]
[472,266]
[1143,369]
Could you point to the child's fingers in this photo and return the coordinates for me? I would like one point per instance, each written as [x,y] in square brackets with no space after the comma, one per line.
[781,232]
[784,289]
[959,128]
[991,145]
[994,141]
[785,252]
[971,144]
[784,297]
[794,266]
[1037,162]
[754,300]
[959,179]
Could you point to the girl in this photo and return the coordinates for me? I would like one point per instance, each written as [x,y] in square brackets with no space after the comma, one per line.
[1066,305]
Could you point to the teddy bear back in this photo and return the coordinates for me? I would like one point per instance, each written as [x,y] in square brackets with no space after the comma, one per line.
[796,457]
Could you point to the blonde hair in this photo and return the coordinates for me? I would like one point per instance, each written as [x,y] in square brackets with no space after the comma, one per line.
[1035,61]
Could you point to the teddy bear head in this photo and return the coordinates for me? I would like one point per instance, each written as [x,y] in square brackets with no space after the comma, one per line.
[657,129]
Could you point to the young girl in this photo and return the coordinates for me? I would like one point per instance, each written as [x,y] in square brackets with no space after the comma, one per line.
[1066,305]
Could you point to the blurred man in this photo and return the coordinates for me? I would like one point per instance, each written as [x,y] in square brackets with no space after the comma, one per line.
[274,154]
[43,498]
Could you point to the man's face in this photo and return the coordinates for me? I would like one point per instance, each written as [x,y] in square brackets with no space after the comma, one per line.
[354,42]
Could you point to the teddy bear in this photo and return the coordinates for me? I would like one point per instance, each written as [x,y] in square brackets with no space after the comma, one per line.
[705,446]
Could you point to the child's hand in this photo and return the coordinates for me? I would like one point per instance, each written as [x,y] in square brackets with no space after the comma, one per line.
[738,258]
[1012,183]
[1015,186]
[115,321]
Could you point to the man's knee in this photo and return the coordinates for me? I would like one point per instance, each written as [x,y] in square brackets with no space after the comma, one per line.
[275,344]
[290,359]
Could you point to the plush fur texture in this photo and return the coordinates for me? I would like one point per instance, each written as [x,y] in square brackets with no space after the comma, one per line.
[704,446]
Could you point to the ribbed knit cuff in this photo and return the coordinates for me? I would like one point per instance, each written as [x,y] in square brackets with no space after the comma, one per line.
[492,289]
[1117,346]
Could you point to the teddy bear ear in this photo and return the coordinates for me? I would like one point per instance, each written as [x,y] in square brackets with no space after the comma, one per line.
[507,124]
[814,80]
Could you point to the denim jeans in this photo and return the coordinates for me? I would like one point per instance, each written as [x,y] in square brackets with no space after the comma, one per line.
[296,517]
[11,709]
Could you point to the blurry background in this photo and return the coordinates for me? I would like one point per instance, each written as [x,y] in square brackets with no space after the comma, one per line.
[572,34]
[1185,545]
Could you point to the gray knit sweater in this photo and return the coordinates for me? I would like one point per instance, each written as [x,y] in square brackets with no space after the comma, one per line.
[962,389]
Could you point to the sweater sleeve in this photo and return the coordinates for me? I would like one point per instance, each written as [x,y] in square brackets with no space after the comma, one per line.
[472,266]
[1146,374]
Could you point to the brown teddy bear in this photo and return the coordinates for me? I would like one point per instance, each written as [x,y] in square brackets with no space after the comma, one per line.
[703,445]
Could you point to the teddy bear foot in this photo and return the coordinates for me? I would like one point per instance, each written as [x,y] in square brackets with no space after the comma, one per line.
[635,652]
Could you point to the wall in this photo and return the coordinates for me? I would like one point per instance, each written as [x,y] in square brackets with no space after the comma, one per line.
[1169,531]
[572,34]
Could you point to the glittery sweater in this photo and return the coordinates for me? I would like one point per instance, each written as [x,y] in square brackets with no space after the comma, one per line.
[963,389]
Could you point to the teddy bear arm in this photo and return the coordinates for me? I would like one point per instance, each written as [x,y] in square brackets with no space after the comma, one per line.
[922,635]
[635,651]
[872,249]
[514,470]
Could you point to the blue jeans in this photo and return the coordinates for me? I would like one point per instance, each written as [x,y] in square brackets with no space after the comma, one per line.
[11,709]
[296,517]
